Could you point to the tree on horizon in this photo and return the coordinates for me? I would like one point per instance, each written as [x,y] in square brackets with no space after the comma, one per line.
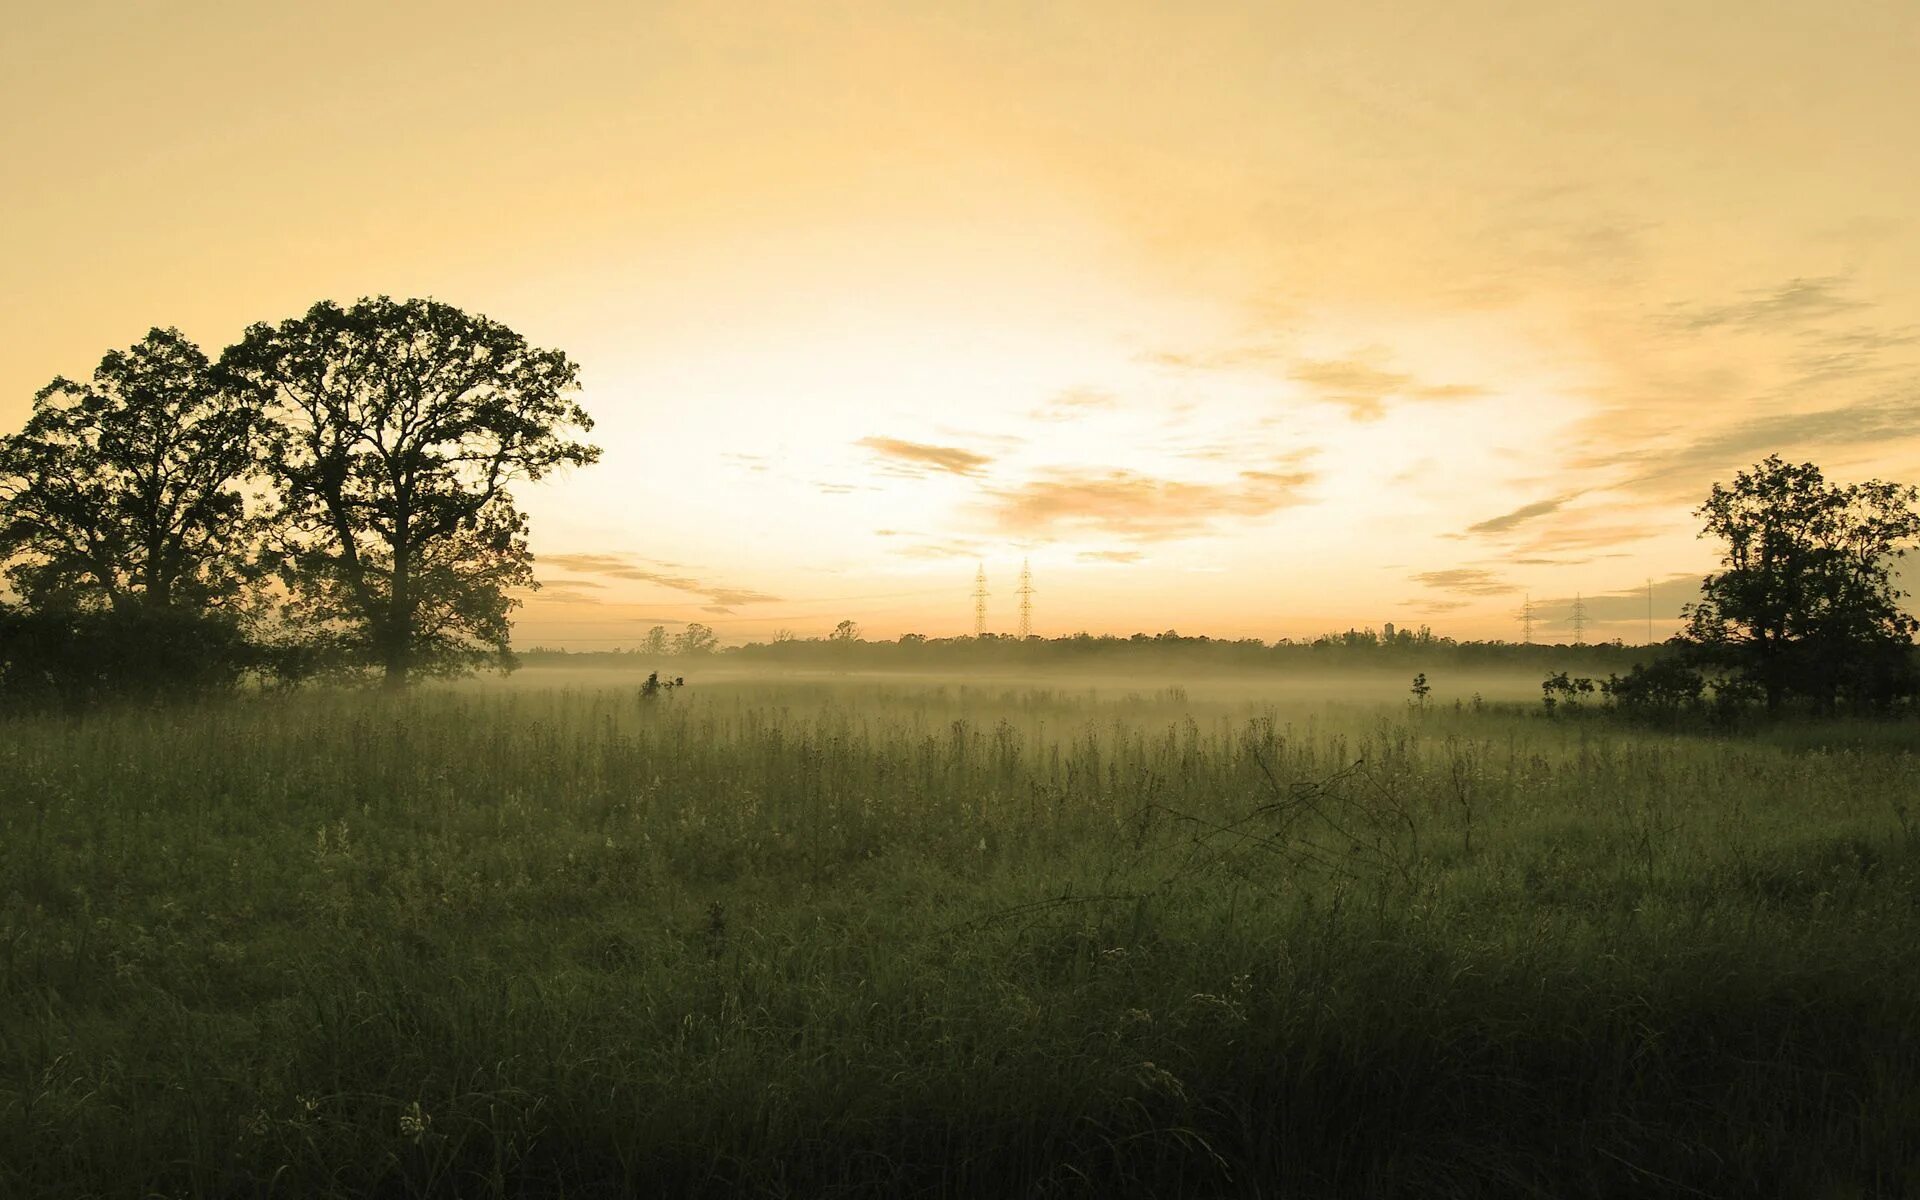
[395,429]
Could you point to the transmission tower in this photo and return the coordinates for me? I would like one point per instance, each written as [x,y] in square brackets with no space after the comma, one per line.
[1526,621]
[1026,600]
[1579,619]
[980,601]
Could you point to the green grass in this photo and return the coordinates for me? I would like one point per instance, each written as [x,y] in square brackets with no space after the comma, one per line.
[881,939]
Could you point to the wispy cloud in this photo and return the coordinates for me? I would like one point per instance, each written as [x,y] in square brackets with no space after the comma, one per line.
[1627,606]
[1794,302]
[1526,512]
[1468,580]
[1678,470]
[951,548]
[1364,387]
[1561,540]
[1429,604]
[1359,383]
[917,458]
[1141,507]
[618,566]
[1071,403]
[1111,556]
[1240,357]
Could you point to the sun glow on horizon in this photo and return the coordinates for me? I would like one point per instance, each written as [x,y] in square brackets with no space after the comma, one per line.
[1257,321]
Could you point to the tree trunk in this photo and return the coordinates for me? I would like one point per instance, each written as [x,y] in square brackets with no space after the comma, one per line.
[399,632]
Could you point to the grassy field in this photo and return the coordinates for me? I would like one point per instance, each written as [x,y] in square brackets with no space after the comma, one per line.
[862,937]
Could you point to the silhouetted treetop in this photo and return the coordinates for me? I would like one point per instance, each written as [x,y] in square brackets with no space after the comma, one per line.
[396,429]
[1807,603]
[125,489]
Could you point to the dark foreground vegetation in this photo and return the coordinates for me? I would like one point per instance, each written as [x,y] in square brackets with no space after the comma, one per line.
[861,940]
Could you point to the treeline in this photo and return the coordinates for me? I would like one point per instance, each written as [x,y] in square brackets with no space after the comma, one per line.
[1386,649]
[1804,616]
[329,497]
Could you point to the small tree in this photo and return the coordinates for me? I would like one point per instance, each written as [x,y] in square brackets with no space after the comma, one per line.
[696,639]
[1806,603]
[846,631]
[1663,688]
[397,428]
[1421,689]
[656,641]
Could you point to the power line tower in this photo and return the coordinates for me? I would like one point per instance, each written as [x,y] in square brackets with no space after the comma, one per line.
[1526,621]
[980,601]
[1026,600]
[1579,620]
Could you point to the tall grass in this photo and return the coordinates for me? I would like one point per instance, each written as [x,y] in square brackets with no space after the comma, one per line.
[869,939]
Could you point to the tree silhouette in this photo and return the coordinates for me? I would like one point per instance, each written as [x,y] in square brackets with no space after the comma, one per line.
[396,428]
[696,639]
[124,492]
[1806,603]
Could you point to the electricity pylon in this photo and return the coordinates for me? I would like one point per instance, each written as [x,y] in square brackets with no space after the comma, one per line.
[1026,600]
[980,601]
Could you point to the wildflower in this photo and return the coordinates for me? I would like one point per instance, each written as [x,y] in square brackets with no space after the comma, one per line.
[415,1123]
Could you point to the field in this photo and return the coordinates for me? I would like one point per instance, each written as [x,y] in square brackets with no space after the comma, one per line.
[994,938]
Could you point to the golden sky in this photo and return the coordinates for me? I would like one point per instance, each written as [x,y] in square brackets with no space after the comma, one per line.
[1246,319]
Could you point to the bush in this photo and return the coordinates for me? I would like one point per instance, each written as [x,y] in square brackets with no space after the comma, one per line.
[1664,687]
[75,659]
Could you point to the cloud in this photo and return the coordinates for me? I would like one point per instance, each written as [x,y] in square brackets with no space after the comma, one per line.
[1470,580]
[1141,507]
[1110,556]
[1246,356]
[1830,356]
[956,548]
[1625,607]
[917,457]
[1071,403]
[1794,302]
[1559,541]
[1682,470]
[1526,512]
[616,566]
[1358,382]
[1364,388]
[565,591]
[1428,604]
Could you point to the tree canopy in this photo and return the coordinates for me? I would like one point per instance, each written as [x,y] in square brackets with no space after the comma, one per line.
[395,429]
[1807,602]
[127,489]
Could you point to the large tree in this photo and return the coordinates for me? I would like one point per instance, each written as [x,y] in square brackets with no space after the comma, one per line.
[125,492]
[1807,601]
[396,428]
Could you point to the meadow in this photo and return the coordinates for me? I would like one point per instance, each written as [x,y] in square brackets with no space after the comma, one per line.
[865,936]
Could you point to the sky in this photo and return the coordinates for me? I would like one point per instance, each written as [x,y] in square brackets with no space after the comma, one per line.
[1252,320]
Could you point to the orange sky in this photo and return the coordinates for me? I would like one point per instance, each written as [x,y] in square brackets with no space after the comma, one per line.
[1256,319]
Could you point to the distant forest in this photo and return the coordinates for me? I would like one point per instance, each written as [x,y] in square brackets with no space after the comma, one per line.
[1387,647]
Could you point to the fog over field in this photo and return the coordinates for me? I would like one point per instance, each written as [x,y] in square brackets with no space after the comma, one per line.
[1263,599]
